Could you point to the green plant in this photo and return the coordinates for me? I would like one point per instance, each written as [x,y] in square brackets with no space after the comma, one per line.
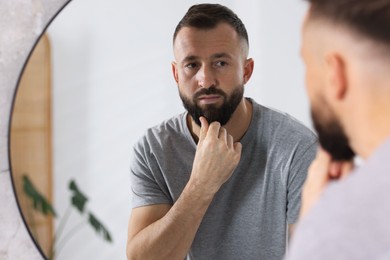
[78,201]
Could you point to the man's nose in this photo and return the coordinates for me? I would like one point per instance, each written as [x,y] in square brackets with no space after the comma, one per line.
[206,77]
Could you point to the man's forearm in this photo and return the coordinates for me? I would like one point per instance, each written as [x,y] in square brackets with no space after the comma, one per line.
[171,236]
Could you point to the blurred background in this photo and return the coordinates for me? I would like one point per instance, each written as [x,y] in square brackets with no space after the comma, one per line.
[98,79]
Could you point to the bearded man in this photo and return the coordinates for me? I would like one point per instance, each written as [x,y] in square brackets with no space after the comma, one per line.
[222,180]
[345,211]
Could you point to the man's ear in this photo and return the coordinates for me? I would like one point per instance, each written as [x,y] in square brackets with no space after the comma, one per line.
[336,76]
[174,71]
[248,69]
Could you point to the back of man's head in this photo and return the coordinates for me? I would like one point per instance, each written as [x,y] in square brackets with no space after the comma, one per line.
[368,18]
[346,49]
[208,16]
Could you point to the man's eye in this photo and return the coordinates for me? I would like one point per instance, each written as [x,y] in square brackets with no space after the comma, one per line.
[191,65]
[220,63]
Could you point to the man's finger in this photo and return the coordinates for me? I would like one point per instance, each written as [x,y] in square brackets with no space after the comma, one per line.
[213,129]
[230,141]
[323,160]
[346,169]
[323,155]
[222,134]
[204,126]
[238,147]
[335,169]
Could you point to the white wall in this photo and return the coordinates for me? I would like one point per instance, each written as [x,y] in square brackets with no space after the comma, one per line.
[112,79]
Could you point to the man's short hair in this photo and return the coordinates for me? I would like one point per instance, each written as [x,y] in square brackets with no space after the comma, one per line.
[208,16]
[369,18]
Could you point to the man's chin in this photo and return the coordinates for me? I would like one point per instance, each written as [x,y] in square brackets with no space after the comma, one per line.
[340,153]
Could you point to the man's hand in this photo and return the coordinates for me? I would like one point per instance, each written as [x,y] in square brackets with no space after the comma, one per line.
[216,157]
[167,232]
[321,171]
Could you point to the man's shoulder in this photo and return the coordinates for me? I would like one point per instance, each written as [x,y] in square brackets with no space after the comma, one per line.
[166,131]
[168,126]
[357,209]
[279,122]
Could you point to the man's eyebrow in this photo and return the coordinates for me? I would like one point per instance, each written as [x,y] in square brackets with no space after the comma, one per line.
[191,58]
[221,55]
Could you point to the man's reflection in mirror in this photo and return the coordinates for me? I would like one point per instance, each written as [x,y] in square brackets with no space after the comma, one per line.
[221,180]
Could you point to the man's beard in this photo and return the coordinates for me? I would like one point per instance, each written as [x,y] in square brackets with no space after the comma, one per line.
[332,138]
[222,113]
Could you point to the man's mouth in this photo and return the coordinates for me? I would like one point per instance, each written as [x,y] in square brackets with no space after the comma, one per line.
[209,99]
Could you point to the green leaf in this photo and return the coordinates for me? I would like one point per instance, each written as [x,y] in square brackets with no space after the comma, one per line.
[78,198]
[40,203]
[99,228]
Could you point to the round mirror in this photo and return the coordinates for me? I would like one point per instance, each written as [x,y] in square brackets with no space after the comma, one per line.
[98,78]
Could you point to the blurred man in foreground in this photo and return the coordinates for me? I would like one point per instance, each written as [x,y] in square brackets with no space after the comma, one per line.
[345,212]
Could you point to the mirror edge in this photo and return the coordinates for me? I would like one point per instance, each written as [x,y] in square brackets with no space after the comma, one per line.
[16,239]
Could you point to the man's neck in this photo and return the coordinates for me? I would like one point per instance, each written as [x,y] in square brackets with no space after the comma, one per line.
[370,128]
[375,135]
[236,126]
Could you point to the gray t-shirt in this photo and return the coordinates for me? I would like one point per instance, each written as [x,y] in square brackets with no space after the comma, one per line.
[352,218]
[249,215]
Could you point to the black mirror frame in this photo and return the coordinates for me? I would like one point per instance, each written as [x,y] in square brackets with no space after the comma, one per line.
[16,239]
